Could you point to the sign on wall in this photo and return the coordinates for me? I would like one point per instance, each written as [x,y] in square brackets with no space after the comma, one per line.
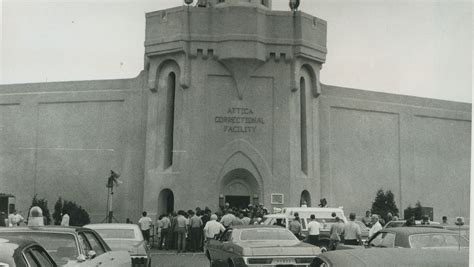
[239,120]
[277,199]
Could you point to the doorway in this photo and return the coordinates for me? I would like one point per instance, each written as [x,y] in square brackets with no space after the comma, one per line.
[240,202]
[239,187]
[165,202]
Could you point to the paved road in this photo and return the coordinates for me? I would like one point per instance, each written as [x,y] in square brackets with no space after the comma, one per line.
[172,259]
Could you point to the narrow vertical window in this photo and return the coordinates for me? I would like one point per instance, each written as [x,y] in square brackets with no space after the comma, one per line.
[303,137]
[169,126]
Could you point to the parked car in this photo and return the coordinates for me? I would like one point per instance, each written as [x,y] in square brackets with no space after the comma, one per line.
[414,237]
[123,236]
[402,223]
[257,245]
[393,257]
[15,252]
[323,216]
[71,246]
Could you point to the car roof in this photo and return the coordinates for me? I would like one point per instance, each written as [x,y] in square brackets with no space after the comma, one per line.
[252,226]
[398,256]
[53,229]
[415,230]
[112,226]
[279,215]
[309,209]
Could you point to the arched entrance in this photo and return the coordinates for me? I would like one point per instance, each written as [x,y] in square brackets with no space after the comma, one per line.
[239,188]
[165,201]
[305,198]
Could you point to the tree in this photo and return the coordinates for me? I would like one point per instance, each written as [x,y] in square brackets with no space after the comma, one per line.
[384,203]
[43,204]
[58,210]
[77,215]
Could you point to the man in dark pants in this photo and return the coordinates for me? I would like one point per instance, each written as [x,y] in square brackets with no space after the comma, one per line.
[195,225]
[352,233]
[313,231]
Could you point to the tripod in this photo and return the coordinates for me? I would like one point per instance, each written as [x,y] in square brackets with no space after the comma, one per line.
[109,216]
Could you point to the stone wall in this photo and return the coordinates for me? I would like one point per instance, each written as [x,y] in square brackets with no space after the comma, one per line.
[416,147]
[62,139]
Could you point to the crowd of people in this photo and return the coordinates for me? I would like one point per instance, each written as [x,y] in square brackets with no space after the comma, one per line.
[12,220]
[189,230]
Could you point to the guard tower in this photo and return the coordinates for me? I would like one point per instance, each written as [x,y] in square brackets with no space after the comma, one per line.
[232,105]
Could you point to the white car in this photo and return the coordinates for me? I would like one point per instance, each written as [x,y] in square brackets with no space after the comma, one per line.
[70,246]
[122,236]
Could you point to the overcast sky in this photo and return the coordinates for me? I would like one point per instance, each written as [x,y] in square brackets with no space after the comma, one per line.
[416,47]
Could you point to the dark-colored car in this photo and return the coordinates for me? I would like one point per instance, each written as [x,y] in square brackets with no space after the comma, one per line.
[259,245]
[393,257]
[417,237]
[15,252]
[68,246]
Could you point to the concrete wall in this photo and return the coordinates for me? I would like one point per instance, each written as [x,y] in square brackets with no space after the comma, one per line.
[418,148]
[62,139]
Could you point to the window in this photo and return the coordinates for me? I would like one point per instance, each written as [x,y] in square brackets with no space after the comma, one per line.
[169,122]
[41,257]
[95,243]
[303,135]
[385,240]
[30,259]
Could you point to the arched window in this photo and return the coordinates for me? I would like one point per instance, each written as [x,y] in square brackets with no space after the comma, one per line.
[303,134]
[169,125]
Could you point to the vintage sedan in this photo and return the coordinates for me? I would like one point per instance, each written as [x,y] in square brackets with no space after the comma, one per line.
[417,237]
[393,257]
[16,252]
[258,245]
[123,236]
[71,246]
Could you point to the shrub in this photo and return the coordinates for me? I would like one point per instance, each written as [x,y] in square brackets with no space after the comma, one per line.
[77,215]
[384,203]
[43,204]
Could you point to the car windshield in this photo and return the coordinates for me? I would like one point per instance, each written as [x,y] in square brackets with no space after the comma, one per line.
[383,240]
[266,234]
[437,240]
[116,233]
[61,246]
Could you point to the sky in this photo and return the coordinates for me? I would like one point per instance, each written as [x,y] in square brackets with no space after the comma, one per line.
[417,47]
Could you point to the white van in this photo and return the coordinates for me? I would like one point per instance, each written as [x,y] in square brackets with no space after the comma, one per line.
[323,216]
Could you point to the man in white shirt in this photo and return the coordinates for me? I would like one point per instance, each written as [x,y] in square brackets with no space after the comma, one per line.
[65,219]
[213,227]
[15,219]
[376,226]
[165,228]
[313,230]
[145,224]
